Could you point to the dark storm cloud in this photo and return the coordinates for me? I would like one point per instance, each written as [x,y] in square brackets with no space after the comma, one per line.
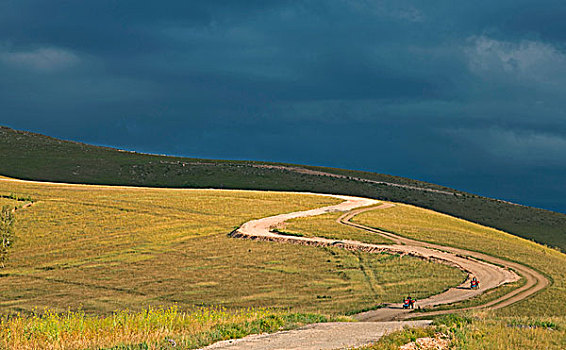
[468,94]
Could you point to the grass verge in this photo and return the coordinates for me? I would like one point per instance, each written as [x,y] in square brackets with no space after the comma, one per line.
[485,331]
[148,329]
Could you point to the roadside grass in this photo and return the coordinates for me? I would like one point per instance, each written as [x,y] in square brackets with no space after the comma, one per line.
[326,226]
[485,331]
[510,333]
[153,328]
[393,340]
[112,248]
[426,225]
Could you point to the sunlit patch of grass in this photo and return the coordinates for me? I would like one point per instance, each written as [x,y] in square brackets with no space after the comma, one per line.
[326,226]
[427,225]
[151,328]
[484,331]
[388,278]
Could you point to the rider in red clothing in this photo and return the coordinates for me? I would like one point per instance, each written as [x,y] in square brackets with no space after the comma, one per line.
[410,302]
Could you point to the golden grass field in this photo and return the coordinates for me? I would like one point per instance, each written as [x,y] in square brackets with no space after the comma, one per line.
[326,226]
[102,249]
[8,202]
[106,248]
[110,253]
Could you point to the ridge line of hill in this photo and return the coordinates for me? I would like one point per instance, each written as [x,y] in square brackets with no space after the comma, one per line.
[322,173]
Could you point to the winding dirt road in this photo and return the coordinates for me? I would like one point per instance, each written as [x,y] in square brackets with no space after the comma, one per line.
[534,281]
[491,271]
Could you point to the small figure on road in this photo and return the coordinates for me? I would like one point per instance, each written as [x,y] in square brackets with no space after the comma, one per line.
[474,283]
[409,303]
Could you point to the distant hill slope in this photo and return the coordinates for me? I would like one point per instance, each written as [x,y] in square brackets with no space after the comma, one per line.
[31,156]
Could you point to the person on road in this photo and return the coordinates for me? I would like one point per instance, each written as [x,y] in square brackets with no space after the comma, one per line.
[474,283]
[409,302]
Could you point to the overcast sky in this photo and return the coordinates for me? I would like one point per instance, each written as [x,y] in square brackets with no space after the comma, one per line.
[468,94]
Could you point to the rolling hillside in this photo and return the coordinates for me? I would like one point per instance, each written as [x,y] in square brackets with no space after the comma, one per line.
[33,156]
[137,267]
[107,266]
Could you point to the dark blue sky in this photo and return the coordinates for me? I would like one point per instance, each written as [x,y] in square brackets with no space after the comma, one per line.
[466,94]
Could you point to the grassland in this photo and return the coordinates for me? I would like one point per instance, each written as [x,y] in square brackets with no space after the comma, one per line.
[327,227]
[8,202]
[536,323]
[36,157]
[88,254]
[105,249]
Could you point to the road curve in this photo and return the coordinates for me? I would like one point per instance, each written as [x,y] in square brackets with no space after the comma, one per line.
[534,280]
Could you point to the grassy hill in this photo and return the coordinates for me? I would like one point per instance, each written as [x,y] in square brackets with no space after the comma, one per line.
[32,156]
[96,249]
[102,248]
[99,249]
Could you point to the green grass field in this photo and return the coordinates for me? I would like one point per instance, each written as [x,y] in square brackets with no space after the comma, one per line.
[36,157]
